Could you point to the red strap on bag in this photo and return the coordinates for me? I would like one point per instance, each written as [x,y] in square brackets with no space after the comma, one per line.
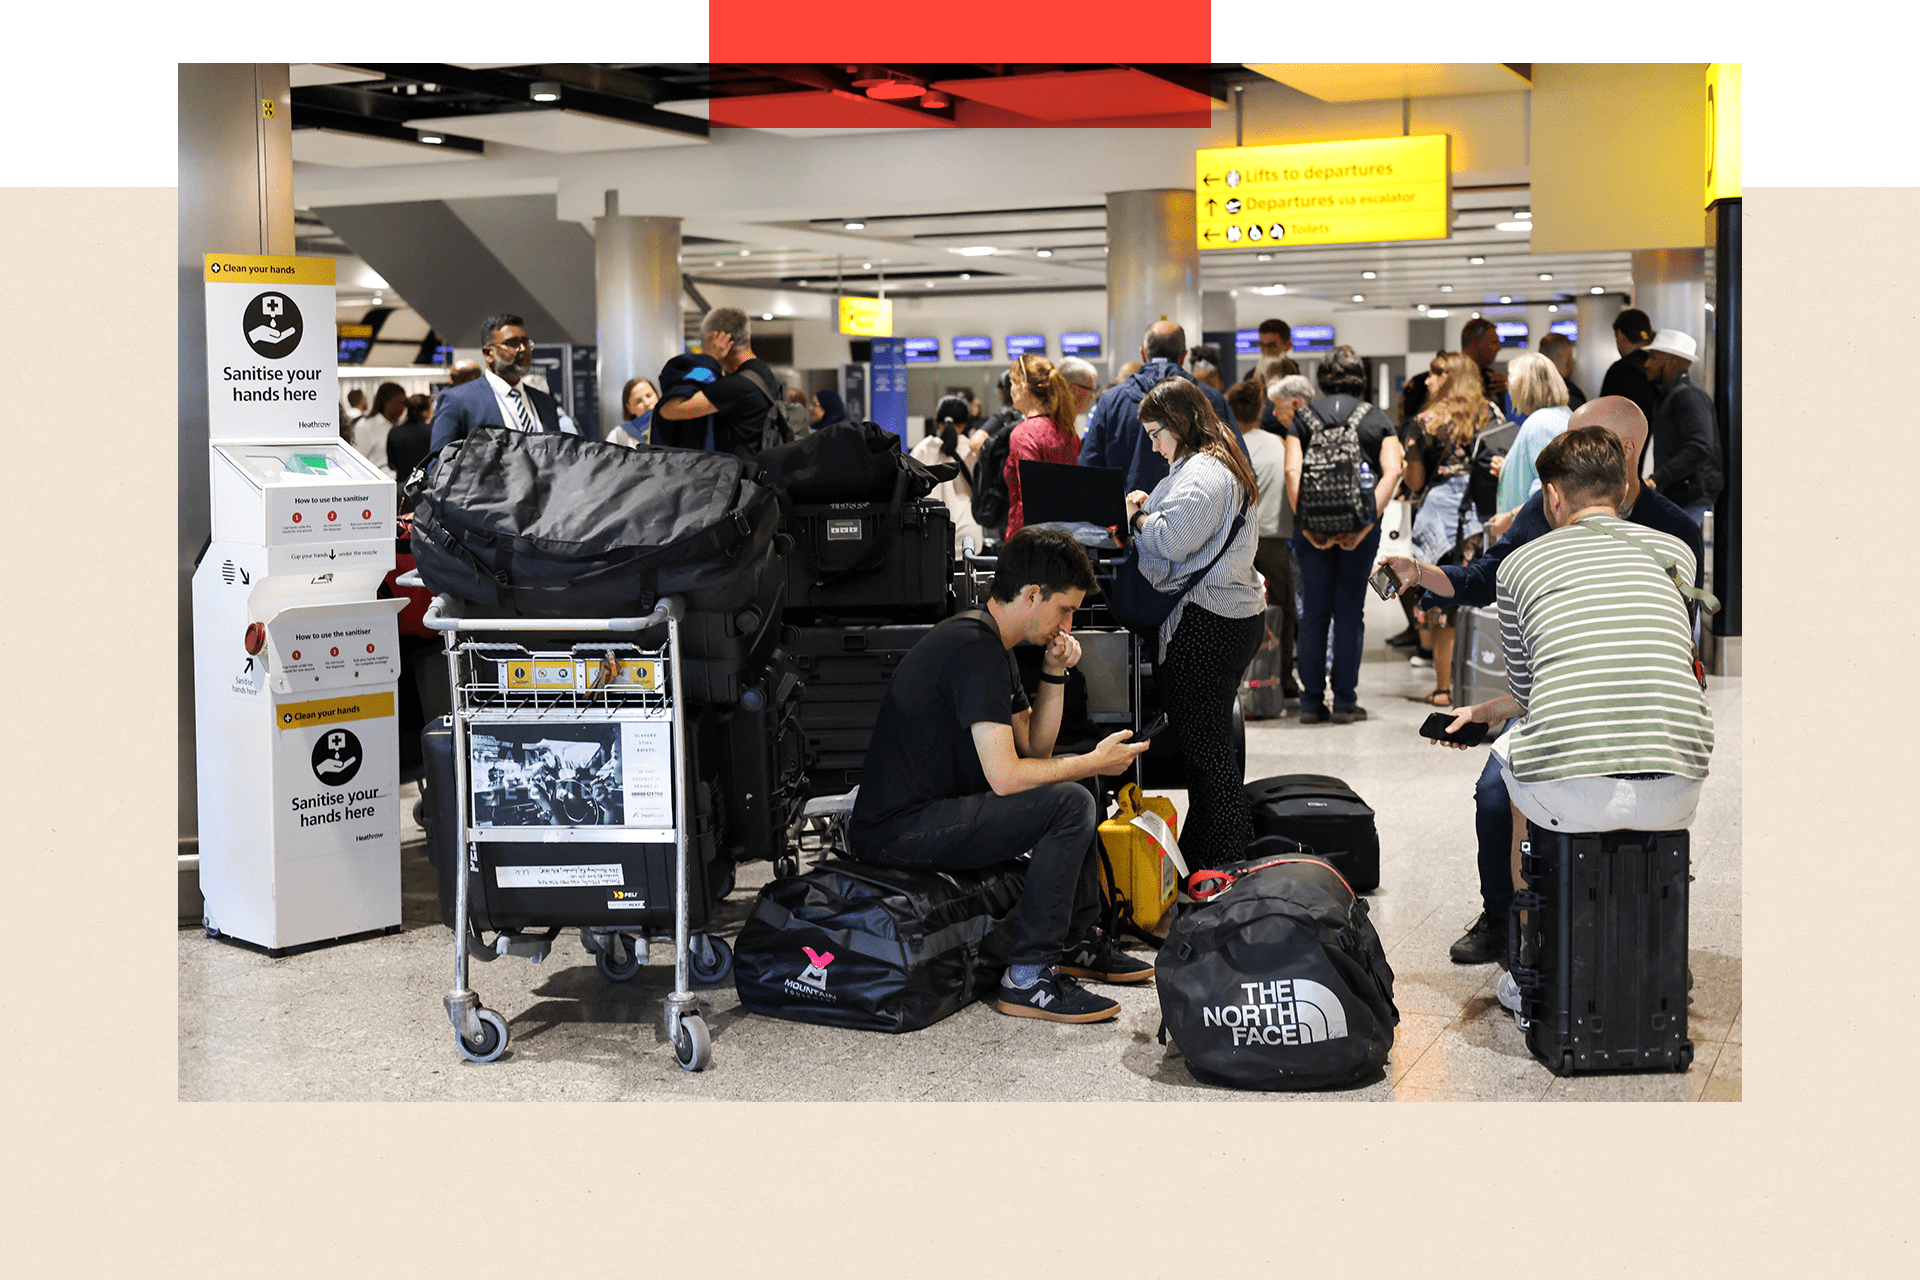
[1201,886]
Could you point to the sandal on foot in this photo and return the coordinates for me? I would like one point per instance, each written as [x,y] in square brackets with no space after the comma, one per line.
[1442,698]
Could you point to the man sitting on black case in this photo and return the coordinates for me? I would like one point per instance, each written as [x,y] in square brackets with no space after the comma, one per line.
[960,775]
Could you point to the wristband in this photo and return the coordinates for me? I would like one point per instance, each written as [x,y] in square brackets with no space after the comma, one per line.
[1047,679]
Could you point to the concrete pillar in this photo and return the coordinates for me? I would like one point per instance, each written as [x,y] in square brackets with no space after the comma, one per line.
[236,196]
[636,269]
[1153,267]
[1670,285]
[1595,352]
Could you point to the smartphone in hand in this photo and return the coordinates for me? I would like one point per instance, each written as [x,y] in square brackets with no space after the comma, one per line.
[1386,582]
[1158,726]
[1468,735]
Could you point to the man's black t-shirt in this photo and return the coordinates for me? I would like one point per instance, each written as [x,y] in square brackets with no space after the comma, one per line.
[956,677]
[742,407]
[1627,377]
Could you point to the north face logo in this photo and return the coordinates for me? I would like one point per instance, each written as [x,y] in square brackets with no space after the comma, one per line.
[1291,1011]
[815,974]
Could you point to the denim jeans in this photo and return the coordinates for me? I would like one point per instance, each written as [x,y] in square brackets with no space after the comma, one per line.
[1493,825]
[1061,904]
[1333,587]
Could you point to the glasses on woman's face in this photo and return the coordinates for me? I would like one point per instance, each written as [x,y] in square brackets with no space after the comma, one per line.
[1153,433]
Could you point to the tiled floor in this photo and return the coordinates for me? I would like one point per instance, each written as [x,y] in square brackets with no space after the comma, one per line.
[364,1020]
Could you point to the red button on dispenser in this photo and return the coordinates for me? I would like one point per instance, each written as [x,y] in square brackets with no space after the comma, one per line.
[296,655]
[367,514]
[256,636]
[296,517]
[335,651]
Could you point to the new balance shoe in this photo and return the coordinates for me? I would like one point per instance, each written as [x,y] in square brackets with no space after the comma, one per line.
[1103,961]
[1485,940]
[1055,997]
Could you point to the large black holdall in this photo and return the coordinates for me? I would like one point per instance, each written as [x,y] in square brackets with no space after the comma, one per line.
[1325,815]
[876,948]
[850,462]
[1277,981]
[874,559]
[515,524]
[518,888]
[1602,963]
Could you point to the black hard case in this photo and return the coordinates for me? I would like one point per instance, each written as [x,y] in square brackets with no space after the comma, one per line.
[1602,964]
[765,755]
[913,546]
[1325,815]
[648,867]
[845,671]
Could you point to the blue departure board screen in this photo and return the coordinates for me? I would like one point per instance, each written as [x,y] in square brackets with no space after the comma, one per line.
[1080,344]
[923,350]
[974,347]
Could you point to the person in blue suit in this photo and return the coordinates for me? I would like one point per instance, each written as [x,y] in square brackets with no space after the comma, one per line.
[1113,436]
[500,397]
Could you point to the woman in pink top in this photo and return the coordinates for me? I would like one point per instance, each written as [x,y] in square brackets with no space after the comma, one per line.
[1041,392]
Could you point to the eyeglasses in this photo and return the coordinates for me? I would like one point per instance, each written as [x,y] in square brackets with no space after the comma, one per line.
[1153,433]
[513,344]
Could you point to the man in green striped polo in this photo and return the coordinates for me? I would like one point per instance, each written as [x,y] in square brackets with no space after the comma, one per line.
[1615,733]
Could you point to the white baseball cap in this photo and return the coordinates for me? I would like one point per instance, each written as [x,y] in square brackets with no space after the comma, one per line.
[1674,343]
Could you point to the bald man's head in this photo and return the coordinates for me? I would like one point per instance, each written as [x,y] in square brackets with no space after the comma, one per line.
[1165,340]
[1618,415]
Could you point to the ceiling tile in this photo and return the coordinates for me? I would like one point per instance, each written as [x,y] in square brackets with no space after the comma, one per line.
[358,151]
[1086,95]
[1377,81]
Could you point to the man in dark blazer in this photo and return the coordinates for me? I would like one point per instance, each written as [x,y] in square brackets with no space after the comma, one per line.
[499,397]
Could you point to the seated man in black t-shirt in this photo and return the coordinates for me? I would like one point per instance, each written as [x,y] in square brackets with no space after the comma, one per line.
[740,399]
[961,775]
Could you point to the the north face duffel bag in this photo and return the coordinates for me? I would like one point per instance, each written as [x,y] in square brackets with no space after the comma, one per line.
[1277,980]
[515,524]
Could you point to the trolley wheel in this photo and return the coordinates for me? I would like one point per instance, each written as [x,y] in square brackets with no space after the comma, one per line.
[786,865]
[620,970]
[711,963]
[693,1047]
[492,1042]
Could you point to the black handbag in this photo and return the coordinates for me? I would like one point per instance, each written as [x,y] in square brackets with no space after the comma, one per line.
[1141,607]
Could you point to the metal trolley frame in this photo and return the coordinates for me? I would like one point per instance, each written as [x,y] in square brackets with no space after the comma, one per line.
[480,1033]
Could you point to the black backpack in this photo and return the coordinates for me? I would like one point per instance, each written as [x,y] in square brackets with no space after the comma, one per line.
[774,429]
[1273,977]
[1333,500]
[540,525]
[991,501]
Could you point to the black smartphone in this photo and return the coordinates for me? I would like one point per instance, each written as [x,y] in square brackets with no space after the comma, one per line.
[1386,582]
[1157,726]
[1469,735]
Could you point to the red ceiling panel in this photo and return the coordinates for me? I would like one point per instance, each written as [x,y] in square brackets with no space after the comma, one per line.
[1068,97]
[978,31]
[817,109]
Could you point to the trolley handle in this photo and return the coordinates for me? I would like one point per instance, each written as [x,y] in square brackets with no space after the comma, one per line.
[440,617]
[411,578]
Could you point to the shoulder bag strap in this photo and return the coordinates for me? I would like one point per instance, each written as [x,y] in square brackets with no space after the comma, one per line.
[1671,568]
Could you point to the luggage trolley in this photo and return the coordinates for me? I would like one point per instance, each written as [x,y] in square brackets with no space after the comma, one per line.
[584,742]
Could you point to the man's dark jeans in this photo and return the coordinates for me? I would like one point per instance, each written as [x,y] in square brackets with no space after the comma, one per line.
[1057,821]
[1493,825]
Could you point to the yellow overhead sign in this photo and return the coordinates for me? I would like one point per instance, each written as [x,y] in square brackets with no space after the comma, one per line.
[1723,132]
[1324,192]
[866,317]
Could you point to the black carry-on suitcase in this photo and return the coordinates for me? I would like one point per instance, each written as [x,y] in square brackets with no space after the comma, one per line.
[1479,661]
[1325,815]
[870,559]
[1602,963]
[844,673]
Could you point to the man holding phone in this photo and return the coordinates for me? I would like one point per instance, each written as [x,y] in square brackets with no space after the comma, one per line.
[1613,729]
[961,775]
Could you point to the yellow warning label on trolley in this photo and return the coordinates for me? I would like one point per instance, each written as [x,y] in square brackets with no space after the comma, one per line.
[579,674]
[304,715]
[634,674]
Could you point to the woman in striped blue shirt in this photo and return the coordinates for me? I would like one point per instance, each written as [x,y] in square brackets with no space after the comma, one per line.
[1204,508]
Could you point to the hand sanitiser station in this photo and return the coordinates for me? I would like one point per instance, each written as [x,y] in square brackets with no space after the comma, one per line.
[296,659]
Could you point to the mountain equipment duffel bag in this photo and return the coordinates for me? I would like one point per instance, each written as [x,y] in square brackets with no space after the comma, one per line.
[1273,977]
[876,948]
[515,524]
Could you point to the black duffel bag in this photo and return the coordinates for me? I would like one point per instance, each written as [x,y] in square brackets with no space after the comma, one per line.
[517,524]
[850,462]
[1273,977]
[876,948]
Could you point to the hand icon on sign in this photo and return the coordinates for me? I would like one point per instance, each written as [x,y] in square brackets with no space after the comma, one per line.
[267,335]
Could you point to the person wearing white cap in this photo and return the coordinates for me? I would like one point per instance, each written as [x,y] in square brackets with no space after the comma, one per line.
[1686,441]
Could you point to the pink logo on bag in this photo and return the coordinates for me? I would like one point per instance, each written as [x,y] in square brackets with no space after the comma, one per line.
[815,974]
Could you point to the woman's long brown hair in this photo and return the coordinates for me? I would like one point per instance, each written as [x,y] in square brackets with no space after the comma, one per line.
[1457,409]
[1180,405]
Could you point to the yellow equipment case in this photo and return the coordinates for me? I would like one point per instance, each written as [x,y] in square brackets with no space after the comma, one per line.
[1142,845]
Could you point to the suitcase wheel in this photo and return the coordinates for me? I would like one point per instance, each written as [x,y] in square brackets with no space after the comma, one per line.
[693,1047]
[618,958]
[492,1042]
[709,959]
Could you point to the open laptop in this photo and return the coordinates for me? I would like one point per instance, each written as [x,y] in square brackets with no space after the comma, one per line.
[1054,492]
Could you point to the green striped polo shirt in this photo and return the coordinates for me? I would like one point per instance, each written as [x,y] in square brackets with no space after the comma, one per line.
[1600,653]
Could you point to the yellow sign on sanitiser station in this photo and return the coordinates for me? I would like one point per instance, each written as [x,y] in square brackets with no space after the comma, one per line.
[1324,193]
[866,317]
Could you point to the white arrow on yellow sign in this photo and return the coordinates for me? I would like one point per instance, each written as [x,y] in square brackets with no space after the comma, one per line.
[1324,193]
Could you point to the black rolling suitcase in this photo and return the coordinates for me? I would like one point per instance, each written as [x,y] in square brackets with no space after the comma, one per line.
[723,653]
[876,948]
[766,758]
[872,559]
[1325,815]
[844,672]
[518,885]
[1602,963]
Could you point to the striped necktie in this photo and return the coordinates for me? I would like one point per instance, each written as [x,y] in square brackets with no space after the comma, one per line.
[517,397]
